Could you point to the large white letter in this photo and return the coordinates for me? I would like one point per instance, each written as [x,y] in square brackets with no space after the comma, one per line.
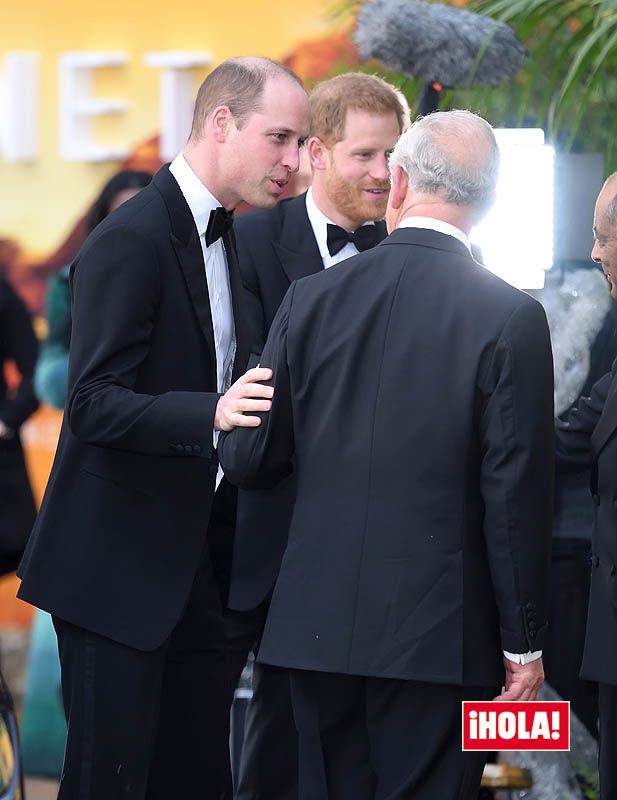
[177,97]
[78,107]
[19,119]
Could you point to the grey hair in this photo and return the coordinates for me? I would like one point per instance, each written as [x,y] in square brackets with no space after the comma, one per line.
[441,154]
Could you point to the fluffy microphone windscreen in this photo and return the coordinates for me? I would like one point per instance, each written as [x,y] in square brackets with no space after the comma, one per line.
[437,42]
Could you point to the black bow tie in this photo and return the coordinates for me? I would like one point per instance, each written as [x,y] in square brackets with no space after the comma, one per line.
[219,224]
[364,237]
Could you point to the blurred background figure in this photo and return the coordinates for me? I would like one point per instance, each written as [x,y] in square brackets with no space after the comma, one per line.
[583,323]
[52,368]
[18,353]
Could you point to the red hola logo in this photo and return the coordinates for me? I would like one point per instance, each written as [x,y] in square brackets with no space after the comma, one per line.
[530,725]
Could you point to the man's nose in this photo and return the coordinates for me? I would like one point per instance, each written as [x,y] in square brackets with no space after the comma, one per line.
[379,168]
[595,253]
[291,160]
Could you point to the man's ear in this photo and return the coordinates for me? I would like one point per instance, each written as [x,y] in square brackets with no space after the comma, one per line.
[399,188]
[318,153]
[221,122]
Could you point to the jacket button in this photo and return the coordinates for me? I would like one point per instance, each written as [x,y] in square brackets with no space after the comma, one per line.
[530,606]
[175,447]
[188,448]
[196,448]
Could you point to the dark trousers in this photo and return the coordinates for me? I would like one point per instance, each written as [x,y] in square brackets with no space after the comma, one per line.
[607,758]
[149,725]
[383,739]
[563,651]
[269,762]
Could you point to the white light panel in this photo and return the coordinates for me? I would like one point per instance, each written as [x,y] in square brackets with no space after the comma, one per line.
[516,236]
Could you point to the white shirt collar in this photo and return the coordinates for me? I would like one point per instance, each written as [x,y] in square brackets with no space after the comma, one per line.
[436,225]
[199,198]
[319,223]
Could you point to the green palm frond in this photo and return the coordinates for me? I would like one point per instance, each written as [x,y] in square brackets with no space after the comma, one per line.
[573,44]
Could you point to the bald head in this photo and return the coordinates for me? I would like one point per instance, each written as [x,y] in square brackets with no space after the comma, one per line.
[238,84]
[607,200]
[451,157]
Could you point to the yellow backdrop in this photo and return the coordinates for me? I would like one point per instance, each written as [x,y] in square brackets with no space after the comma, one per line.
[40,201]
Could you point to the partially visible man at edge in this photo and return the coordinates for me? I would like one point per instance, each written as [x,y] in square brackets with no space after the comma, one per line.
[120,553]
[355,121]
[587,439]
[413,395]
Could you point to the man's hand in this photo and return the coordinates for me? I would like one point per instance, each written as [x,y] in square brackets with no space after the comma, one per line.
[522,680]
[5,431]
[244,396]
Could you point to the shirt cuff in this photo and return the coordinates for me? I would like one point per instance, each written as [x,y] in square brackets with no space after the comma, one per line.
[523,658]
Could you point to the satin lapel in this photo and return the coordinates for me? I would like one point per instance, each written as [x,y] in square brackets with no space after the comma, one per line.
[191,260]
[237,291]
[297,248]
[185,241]
[607,422]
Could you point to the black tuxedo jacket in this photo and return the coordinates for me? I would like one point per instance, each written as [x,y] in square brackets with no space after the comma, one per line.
[122,526]
[414,391]
[275,248]
[587,439]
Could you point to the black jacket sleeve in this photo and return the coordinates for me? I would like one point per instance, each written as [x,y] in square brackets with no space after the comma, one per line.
[573,433]
[516,429]
[115,290]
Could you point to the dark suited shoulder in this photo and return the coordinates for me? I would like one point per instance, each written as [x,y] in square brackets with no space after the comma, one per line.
[256,235]
[275,247]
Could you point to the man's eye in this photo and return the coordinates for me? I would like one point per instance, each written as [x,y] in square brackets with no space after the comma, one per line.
[279,137]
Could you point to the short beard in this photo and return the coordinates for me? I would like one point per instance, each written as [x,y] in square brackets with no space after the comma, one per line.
[348,199]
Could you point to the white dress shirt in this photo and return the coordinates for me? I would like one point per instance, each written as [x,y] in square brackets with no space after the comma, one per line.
[201,202]
[319,223]
[438,225]
[428,223]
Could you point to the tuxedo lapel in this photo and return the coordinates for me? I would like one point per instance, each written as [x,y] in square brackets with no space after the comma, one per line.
[185,240]
[240,323]
[607,422]
[297,248]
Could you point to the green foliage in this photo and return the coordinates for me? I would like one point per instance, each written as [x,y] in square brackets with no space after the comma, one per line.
[569,85]
[588,780]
